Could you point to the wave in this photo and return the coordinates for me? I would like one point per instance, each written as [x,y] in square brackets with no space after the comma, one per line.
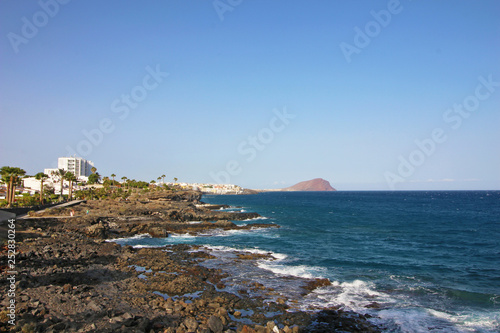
[136,237]
[146,246]
[186,235]
[257,218]
[397,313]
[302,271]
[261,232]
[227,249]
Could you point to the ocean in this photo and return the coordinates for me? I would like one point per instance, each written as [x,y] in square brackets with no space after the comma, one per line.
[415,261]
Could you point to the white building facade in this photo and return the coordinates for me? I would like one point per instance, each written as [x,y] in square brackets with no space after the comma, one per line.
[78,166]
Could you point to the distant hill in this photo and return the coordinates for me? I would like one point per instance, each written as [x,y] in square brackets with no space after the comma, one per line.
[317,184]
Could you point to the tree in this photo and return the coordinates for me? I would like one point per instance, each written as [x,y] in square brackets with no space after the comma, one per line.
[94,178]
[113,177]
[41,177]
[70,177]
[60,173]
[93,169]
[11,177]
[175,180]
[106,182]
[124,179]
[163,178]
[159,178]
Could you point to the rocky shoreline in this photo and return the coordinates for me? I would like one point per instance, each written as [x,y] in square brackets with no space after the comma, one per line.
[70,279]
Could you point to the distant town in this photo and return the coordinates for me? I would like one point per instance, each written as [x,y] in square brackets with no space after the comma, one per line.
[80,174]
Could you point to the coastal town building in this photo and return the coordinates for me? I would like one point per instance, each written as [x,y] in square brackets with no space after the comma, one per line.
[80,167]
[207,188]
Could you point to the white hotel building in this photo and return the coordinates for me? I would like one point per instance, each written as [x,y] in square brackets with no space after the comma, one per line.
[80,167]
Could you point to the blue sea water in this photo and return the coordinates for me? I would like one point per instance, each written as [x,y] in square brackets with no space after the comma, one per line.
[416,261]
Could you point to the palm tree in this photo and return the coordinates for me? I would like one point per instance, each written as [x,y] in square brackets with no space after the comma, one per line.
[159,178]
[70,177]
[94,178]
[124,179]
[163,178]
[60,173]
[106,182]
[113,177]
[93,169]
[41,177]
[11,177]
[175,180]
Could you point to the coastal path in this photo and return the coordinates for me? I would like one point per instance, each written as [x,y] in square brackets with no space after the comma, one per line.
[66,204]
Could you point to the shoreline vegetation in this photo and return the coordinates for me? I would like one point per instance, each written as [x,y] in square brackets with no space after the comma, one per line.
[72,277]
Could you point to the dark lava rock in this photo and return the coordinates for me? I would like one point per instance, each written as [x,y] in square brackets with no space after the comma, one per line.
[215,324]
[225,224]
[317,283]
[99,230]
[158,232]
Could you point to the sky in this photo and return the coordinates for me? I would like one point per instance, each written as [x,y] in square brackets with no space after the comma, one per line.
[369,95]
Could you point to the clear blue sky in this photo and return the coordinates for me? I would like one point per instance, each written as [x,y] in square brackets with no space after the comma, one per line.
[356,84]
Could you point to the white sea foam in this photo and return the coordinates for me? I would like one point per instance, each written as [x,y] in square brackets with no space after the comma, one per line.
[141,236]
[257,218]
[397,314]
[186,235]
[276,256]
[302,271]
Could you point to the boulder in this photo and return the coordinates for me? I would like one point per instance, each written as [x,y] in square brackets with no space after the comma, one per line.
[191,324]
[215,324]
[158,232]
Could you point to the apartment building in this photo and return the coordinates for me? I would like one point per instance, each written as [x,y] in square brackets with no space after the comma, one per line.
[78,166]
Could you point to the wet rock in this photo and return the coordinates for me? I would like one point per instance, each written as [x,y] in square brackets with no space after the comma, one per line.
[158,232]
[317,283]
[281,300]
[373,305]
